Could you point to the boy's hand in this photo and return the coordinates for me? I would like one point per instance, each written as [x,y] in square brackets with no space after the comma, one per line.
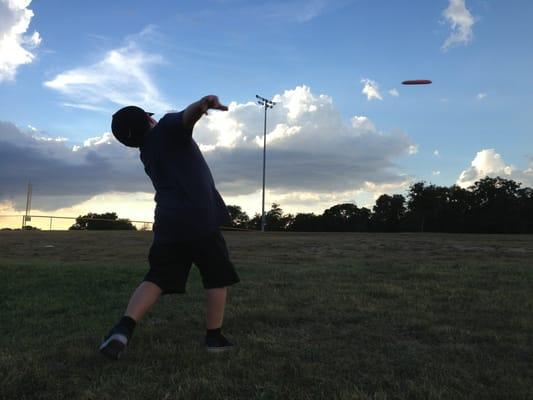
[211,102]
[195,111]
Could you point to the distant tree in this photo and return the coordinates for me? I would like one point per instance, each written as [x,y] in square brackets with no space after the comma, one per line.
[106,221]
[496,205]
[388,213]
[30,228]
[525,207]
[239,219]
[345,217]
[456,216]
[303,222]
[425,205]
[274,219]
[339,217]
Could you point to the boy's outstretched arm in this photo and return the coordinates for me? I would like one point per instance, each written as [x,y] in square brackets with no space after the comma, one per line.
[194,112]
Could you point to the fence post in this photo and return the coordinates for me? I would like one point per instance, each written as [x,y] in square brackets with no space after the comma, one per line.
[51,223]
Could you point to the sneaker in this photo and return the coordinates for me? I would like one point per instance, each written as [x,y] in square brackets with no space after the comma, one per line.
[114,344]
[218,344]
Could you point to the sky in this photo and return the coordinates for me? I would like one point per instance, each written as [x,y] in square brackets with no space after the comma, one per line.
[344,128]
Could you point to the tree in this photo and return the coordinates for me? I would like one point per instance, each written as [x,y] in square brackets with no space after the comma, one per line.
[496,205]
[106,221]
[456,216]
[525,204]
[388,213]
[274,219]
[239,219]
[425,205]
[306,222]
[346,217]
[30,228]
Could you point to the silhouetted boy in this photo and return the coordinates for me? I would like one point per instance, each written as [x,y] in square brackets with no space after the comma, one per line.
[189,211]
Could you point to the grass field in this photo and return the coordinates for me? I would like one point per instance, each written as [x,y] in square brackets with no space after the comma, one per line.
[316,316]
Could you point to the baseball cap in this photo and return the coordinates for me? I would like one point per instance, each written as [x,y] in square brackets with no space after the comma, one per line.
[129,125]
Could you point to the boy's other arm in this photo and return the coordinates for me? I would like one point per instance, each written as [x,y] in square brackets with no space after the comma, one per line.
[194,112]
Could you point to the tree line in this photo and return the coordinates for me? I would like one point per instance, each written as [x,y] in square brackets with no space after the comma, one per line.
[490,205]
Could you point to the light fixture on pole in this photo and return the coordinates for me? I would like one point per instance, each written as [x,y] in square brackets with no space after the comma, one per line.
[266,104]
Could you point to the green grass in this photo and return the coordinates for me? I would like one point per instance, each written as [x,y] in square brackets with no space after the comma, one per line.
[316,316]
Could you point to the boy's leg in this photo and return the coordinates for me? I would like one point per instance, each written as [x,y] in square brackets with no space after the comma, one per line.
[212,259]
[215,303]
[144,297]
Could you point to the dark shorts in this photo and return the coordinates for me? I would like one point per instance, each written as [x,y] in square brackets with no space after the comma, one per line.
[170,263]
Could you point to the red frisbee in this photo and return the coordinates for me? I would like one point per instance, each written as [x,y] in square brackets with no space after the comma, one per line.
[417,82]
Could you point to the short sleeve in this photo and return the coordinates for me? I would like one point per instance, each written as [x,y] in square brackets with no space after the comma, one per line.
[173,130]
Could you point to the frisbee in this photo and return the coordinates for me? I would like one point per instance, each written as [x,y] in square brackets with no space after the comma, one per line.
[417,82]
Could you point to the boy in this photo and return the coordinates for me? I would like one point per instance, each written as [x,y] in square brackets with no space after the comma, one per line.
[189,211]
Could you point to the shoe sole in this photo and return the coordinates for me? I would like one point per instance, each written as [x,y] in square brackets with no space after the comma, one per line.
[219,349]
[113,347]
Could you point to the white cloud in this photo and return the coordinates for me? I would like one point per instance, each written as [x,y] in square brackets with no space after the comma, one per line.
[121,78]
[87,107]
[394,92]
[412,149]
[435,173]
[461,22]
[371,89]
[481,96]
[50,139]
[15,45]
[436,153]
[489,163]
[363,123]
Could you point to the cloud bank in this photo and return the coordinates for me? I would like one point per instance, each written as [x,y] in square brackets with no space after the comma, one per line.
[311,151]
[15,45]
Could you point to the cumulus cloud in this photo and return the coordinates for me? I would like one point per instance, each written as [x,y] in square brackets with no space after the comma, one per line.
[15,45]
[436,153]
[435,173]
[489,163]
[481,96]
[311,149]
[121,78]
[461,22]
[412,149]
[371,89]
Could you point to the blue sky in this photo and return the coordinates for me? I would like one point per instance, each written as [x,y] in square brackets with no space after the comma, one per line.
[479,108]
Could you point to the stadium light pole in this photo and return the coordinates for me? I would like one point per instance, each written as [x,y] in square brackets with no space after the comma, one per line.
[266,104]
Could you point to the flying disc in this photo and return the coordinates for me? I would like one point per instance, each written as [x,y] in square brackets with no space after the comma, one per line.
[417,82]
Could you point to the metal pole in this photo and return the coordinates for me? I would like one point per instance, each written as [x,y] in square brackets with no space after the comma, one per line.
[28,205]
[267,104]
[264,164]
[50,223]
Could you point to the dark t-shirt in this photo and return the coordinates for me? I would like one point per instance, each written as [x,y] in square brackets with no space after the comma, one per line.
[188,205]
